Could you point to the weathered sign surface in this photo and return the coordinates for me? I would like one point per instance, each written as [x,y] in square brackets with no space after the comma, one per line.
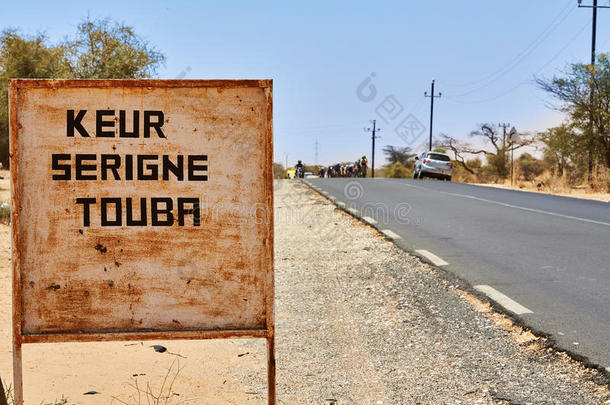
[141,208]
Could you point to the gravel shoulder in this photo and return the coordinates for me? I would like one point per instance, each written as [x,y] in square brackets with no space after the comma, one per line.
[360,321]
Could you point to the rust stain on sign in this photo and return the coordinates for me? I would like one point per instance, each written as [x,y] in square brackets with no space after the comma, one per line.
[141,206]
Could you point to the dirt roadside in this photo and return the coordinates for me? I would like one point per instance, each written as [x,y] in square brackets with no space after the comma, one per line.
[358,322]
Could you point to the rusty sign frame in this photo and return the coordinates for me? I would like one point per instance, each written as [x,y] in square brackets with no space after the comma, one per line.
[20,338]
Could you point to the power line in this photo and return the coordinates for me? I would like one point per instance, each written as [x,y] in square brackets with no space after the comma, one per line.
[491,75]
[513,88]
[524,54]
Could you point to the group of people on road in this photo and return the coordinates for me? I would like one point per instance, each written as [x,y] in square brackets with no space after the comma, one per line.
[356,169]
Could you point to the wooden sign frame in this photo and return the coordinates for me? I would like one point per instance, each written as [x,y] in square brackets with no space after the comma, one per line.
[20,337]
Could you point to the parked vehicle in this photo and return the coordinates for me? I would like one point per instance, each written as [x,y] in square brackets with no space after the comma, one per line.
[433,164]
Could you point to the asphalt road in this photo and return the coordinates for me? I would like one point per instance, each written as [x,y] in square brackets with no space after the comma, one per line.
[549,254]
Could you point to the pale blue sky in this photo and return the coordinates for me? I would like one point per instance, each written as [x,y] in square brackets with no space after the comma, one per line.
[482,53]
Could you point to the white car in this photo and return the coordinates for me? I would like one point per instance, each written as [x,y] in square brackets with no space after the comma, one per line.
[310,175]
[433,164]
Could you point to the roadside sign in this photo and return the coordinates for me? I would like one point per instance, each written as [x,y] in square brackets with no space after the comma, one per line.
[142,209]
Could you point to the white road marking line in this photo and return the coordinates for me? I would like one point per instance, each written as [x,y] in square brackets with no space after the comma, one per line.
[325,193]
[432,257]
[353,211]
[503,300]
[591,221]
[369,220]
[341,204]
[391,234]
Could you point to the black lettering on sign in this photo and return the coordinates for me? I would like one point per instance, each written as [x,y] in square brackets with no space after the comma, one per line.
[75,123]
[87,202]
[81,167]
[193,167]
[129,213]
[136,125]
[118,215]
[55,165]
[155,211]
[182,211]
[128,167]
[114,166]
[153,173]
[157,124]
[152,120]
[100,124]
[176,169]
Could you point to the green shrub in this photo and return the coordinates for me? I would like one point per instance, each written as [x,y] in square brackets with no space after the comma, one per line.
[398,171]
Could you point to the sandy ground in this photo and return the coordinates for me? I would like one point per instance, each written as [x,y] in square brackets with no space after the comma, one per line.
[574,193]
[358,322]
[5,186]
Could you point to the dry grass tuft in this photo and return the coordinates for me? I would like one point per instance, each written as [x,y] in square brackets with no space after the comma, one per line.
[147,395]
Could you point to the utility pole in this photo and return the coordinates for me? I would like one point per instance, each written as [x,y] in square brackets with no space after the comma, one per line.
[591,98]
[316,159]
[373,131]
[504,126]
[513,136]
[432,97]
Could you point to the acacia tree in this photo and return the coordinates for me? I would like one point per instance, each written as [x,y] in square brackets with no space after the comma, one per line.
[497,148]
[564,146]
[590,112]
[395,154]
[107,50]
[101,50]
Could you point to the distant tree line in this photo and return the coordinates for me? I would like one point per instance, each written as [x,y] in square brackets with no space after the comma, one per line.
[574,153]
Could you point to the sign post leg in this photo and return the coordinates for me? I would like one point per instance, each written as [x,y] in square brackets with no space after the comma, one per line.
[271,369]
[17,373]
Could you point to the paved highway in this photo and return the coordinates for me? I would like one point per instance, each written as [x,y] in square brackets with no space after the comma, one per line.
[545,258]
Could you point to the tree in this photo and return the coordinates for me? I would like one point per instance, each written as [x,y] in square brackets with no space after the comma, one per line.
[497,149]
[399,155]
[102,50]
[590,114]
[107,50]
[25,58]
[529,166]
[563,146]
